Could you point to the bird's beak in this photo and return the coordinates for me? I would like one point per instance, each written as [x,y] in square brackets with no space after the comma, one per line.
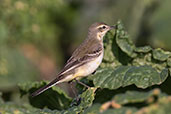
[112,27]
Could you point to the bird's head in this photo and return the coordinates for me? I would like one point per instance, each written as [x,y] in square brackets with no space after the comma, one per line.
[99,29]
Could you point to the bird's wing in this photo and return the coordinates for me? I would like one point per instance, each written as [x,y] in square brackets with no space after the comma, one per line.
[80,59]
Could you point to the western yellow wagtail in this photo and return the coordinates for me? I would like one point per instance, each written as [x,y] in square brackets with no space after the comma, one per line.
[85,59]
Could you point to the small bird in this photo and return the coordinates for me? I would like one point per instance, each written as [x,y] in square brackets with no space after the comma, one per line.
[85,59]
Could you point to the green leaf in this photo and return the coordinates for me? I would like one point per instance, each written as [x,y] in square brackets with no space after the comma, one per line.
[146,59]
[142,77]
[115,49]
[123,41]
[169,62]
[108,43]
[164,74]
[134,96]
[110,58]
[12,108]
[142,59]
[94,109]
[144,49]
[87,98]
[161,107]
[160,54]
[109,78]
[130,97]
[123,110]
[53,98]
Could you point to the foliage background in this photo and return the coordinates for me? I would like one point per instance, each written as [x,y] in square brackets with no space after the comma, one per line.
[38,36]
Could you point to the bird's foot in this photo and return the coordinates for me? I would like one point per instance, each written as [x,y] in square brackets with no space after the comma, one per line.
[94,72]
[82,83]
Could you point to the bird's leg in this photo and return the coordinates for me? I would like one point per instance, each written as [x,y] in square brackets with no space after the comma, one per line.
[82,83]
[74,92]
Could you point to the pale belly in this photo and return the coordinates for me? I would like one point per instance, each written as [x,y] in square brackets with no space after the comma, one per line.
[90,67]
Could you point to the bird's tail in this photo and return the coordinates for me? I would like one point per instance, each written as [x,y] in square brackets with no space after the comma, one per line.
[44,88]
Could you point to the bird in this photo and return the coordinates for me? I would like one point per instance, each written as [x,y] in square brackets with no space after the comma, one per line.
[84,60]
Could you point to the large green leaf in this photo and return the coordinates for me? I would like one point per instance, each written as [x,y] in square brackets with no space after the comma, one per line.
[109,78]
[142,77]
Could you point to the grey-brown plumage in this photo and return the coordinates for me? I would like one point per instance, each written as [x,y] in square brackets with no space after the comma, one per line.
[85,59]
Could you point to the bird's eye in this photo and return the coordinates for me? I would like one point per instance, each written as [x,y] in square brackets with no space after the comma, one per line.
[104,27]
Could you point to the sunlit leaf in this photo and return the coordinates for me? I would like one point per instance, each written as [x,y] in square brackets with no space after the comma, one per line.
[142,77]
[144,49]
[161,55]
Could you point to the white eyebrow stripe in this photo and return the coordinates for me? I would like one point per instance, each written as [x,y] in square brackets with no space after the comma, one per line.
[100,26]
